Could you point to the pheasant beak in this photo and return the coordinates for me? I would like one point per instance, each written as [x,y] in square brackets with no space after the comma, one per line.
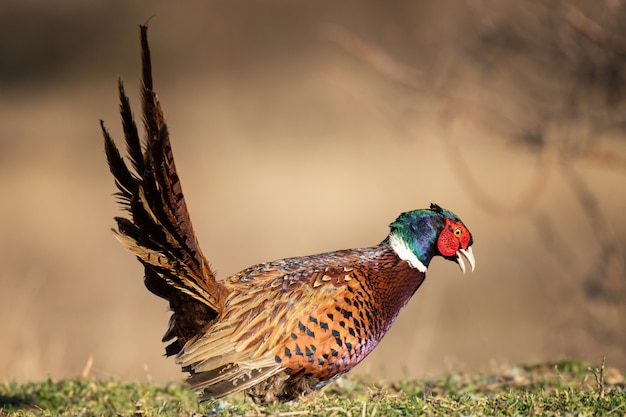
[469,257]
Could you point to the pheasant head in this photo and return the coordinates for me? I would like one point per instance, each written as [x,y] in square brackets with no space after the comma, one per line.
[419,235]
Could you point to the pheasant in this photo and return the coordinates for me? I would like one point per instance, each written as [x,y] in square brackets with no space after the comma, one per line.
[275,330]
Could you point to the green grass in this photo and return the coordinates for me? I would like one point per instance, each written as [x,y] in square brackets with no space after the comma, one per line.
[565,388]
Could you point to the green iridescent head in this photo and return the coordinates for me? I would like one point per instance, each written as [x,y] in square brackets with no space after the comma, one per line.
[419,235]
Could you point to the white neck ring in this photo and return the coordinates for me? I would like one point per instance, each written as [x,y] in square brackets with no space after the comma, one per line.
[401,249]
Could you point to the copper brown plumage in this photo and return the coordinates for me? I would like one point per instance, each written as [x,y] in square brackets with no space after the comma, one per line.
[275,330]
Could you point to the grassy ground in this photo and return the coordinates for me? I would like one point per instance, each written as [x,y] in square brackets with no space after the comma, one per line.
[566,388]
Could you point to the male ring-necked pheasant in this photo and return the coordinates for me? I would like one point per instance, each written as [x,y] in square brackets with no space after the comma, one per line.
[278,329]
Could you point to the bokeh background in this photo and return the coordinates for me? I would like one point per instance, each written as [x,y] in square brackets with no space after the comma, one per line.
[303,127]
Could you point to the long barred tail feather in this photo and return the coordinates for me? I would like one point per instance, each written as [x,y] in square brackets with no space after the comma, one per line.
[124,179]
[133,143]
[160,232]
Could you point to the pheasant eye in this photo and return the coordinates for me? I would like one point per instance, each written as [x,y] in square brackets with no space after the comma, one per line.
[457,232]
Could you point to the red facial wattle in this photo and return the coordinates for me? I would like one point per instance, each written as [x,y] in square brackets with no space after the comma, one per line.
[453,237]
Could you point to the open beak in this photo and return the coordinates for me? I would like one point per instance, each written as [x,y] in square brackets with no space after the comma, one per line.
[469,257]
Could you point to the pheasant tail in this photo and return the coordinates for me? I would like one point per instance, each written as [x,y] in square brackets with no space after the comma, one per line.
[160,232]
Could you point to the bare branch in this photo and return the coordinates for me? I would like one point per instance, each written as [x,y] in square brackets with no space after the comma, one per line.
[593,31]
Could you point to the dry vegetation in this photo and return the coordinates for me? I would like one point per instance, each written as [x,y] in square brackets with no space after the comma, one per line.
[566,388]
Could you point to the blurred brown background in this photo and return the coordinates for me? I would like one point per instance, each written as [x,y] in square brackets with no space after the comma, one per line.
[302,127]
